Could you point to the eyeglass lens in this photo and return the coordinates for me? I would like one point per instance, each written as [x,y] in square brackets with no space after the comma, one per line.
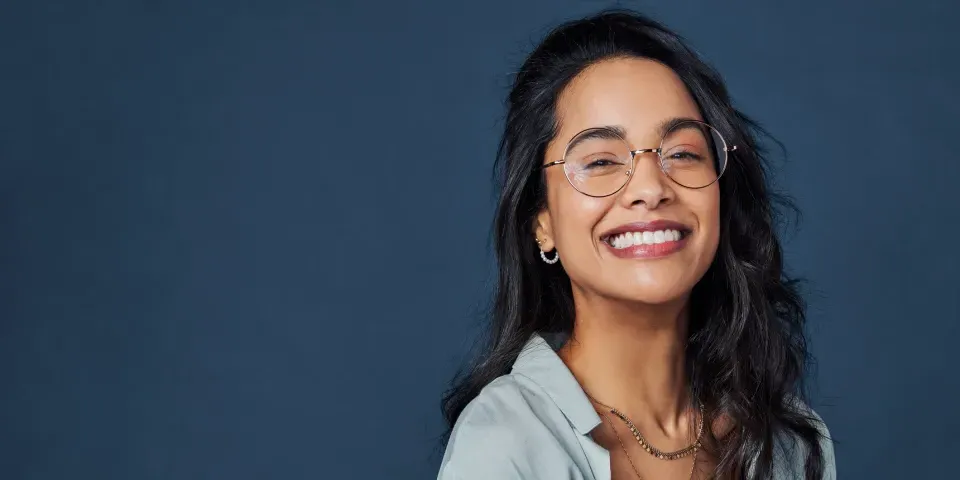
[598,161]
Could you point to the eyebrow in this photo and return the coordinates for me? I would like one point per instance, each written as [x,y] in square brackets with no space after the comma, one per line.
[669,123]
[603,132]
[606,132]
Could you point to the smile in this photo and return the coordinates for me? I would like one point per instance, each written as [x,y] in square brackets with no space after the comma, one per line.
[646,239]
[629,239]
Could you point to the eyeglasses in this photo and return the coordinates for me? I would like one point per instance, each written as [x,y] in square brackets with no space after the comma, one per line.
[598,162]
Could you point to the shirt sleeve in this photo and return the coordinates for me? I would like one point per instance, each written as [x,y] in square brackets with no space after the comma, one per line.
[826,446]
[794,452]
[500,437]
[484,452]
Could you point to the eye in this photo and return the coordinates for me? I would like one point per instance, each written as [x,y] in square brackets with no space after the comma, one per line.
[602,162]
[684,155]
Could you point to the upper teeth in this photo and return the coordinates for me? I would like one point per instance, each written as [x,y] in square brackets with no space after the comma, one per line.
[630,239]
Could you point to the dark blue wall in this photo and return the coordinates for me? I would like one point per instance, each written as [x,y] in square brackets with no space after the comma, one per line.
[248,240]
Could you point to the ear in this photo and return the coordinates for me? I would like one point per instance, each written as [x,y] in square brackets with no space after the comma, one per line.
[544,230]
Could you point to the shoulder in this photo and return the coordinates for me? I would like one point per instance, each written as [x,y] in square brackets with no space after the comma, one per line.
[511,430]
[794,452]
[826,446]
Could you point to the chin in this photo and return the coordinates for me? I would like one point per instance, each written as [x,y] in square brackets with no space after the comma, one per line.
[654,296]
[654,291]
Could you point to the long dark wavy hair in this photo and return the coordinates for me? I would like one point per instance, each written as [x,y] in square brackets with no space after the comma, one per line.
[746,351]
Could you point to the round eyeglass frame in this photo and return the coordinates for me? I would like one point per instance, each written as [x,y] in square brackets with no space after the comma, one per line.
[633,156]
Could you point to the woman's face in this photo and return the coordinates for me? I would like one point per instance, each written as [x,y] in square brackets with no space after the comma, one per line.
[636,96]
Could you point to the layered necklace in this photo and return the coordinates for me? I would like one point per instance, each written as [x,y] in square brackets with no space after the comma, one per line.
[675,455]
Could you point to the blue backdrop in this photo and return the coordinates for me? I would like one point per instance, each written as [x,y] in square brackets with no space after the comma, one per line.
[249,239]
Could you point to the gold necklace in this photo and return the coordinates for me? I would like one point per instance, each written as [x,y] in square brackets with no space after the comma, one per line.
[683,452]
[623,447]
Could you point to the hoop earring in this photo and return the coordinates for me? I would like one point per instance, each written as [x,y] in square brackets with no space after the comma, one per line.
[551,261]
[543,255]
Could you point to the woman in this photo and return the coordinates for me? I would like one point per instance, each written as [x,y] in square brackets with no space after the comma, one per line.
[643,325]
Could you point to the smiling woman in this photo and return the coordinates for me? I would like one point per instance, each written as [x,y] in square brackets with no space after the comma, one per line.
[643,325]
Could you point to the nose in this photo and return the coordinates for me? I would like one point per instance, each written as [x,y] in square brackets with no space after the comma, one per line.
[648,185]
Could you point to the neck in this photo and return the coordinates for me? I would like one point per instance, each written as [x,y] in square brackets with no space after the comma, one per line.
[631,357]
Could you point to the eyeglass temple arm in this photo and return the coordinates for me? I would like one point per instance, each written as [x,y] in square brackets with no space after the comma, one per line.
[558,162]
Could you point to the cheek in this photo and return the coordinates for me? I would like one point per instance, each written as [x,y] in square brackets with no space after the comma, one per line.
[707,209]
[575,215]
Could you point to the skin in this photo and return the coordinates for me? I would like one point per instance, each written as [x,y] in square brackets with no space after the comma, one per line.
[631,314]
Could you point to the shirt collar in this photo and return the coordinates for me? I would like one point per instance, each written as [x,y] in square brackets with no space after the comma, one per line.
[539,362]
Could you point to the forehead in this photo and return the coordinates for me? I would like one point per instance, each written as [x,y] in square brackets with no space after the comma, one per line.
[633,93]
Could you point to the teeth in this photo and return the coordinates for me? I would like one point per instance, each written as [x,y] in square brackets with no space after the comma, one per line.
[629,239]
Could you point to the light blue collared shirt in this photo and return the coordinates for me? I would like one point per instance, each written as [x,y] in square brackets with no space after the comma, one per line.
[534,423]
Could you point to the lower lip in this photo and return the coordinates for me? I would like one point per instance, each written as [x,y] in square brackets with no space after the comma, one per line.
[655,250]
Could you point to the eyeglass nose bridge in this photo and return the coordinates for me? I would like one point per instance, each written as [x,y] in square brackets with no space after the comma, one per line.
[634,153]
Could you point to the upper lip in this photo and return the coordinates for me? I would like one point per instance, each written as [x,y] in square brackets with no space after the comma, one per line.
[650,226]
